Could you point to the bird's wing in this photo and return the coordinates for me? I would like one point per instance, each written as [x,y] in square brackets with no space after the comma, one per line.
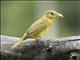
[37,27]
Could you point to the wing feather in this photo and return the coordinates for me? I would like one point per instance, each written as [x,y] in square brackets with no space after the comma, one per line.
[37,27]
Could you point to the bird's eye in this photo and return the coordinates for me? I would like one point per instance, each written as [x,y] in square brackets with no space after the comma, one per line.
[52,13]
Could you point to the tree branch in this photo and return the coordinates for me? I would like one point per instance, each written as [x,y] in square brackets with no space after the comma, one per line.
[67,48]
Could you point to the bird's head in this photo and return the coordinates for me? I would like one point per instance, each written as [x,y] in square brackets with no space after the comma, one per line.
[51,14]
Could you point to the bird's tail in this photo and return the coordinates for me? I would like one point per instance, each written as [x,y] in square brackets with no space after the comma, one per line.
[19,41]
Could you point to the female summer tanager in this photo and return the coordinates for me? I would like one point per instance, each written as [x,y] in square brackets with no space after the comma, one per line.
[39,27]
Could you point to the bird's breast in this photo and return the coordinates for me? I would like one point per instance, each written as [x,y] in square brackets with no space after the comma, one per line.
[49,24]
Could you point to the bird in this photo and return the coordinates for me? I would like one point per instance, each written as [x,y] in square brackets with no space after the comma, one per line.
[40,27]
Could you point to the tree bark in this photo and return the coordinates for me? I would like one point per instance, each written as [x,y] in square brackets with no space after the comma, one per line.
[67,48]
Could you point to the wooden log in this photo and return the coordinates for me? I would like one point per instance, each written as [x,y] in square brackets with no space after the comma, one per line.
[67,48]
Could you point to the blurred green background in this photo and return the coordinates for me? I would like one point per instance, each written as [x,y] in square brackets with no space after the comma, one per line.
[17,16]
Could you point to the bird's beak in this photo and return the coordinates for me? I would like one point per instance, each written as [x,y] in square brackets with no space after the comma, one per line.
[60,15]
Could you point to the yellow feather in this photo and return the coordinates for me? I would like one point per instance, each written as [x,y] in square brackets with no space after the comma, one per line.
[39,27]
[18,42]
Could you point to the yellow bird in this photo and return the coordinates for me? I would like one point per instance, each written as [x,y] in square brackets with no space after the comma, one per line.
[39,27]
